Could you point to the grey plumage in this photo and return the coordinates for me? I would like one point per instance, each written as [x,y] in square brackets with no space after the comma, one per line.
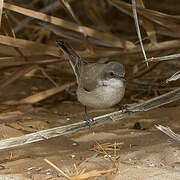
[99,85]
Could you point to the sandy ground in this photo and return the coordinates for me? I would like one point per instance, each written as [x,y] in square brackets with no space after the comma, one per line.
[144,154]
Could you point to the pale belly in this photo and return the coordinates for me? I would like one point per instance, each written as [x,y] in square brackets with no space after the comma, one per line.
[102,97]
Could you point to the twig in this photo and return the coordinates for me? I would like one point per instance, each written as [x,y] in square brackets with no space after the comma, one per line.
[53,50]
[169,132]
[10,62]
[138,29]
[50,7]
[164,58]
[30,45]
[1,10]
[100,120]
[174,77]
[8,30]
[65,4]
[55,167]
[16,75]
[47,76]
[166,45]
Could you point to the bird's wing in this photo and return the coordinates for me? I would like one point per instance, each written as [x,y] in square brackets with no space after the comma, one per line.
[90,75]
[87,74]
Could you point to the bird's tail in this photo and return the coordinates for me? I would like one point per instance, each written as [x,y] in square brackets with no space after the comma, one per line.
[71,55]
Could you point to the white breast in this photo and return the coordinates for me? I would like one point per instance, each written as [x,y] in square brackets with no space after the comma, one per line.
[103,96]
[116,83]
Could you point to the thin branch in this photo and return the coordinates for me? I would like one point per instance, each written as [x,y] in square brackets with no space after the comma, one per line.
[52,6]
[47,76]
[100,120]
[1,10]
[55,167]
[165,45]
[174,77]
[164,58]
[16,75]
[9,64]
[30,45]
[65,4]
[169,132]
[138,29]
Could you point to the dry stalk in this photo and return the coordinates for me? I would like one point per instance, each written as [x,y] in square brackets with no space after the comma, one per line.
[169,132]
[16,75]
[174,77]
[55,167]
[164,58]
[1,9]
[80,175]
[138,29]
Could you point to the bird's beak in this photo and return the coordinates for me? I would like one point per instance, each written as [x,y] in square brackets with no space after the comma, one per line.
[123,78]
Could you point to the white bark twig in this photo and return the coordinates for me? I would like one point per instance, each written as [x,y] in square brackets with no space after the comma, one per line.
[169,132]
[164,58]
[174,77]
[138,29]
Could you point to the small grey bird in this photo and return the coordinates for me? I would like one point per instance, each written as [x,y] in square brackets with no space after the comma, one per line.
[99,85]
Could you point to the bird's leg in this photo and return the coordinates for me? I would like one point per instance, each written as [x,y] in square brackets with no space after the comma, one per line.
[86,117]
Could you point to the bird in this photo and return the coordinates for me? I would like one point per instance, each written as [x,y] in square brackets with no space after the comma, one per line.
[100,85]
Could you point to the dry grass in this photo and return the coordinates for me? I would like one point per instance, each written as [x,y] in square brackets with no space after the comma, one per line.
[96,43]
[80,174]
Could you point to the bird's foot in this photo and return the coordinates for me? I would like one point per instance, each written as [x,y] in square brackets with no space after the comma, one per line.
[88,120]
[123,108]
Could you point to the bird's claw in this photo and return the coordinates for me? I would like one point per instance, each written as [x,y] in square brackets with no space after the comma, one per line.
[123,108]
[88,120]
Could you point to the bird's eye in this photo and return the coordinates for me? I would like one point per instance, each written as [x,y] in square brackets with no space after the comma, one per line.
[111,74]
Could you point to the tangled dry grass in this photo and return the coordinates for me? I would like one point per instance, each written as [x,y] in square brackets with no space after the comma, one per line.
[28,43]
